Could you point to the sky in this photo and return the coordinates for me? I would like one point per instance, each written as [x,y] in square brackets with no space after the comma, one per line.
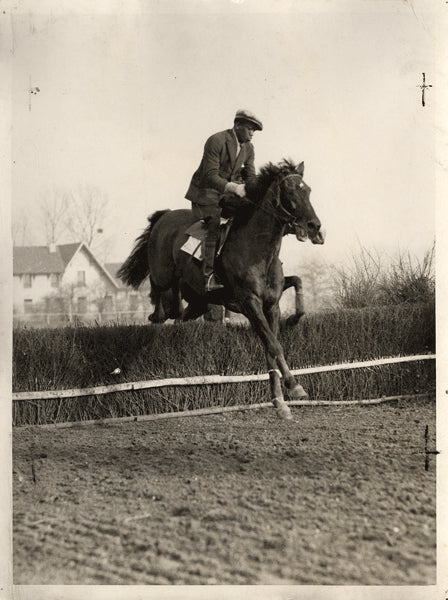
[128,98]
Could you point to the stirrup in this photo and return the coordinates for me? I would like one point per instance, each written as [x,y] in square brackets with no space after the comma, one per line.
[212,284]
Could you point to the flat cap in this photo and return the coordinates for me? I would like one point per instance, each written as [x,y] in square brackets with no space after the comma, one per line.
[249,116]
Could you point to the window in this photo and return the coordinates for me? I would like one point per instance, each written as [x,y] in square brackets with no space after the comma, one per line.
[54,280]
[133,302]
[81,278]
[82,304]
[28,305]
[54,305]
[27,281]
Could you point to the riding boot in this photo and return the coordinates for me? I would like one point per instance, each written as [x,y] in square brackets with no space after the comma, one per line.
[211,283]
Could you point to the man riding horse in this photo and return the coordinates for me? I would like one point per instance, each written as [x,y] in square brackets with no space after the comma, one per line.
[227,165]
[249,265]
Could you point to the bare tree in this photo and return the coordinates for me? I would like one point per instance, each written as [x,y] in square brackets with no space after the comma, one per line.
[87,210]
[317,286]
[79,215]
[53,210]
[20,229]
[101,296]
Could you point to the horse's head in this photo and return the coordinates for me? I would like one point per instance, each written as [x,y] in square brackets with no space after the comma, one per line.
[297,230]
[293,205]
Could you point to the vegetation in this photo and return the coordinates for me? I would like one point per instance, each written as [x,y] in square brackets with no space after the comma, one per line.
[370,281]
[85,356]
[67,215]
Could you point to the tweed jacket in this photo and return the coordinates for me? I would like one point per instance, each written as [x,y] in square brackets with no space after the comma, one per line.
[219,166]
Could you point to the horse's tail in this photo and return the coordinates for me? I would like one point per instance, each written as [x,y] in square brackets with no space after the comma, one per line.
[135,268]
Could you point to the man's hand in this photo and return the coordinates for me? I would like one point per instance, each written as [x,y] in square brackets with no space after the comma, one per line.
[239,189]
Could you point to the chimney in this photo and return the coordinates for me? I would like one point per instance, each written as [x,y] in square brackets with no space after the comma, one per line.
[52,248]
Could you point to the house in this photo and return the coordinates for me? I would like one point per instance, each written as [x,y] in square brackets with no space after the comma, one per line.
[128,300]
[65,278]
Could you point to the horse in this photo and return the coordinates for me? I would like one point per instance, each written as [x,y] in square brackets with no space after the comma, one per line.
[248,265]
[167,307]
[217,313]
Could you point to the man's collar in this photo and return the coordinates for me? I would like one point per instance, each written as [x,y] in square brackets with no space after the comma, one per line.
[236,137]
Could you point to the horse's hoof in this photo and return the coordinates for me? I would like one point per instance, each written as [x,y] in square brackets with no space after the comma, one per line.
[284,413]
[298,393]
[282,409]
[292,320]
[155,320]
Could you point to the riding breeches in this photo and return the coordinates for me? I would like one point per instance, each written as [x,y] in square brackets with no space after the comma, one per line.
[211,215]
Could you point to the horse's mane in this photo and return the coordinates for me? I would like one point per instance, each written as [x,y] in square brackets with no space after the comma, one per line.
[257,187]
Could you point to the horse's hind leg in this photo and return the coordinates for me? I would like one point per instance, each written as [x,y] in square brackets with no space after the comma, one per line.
[296,283]
[177,306]
[172,302]
[156,296]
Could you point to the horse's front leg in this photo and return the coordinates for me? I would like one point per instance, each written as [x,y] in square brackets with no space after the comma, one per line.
[283,410]
[274,352]
[194,310]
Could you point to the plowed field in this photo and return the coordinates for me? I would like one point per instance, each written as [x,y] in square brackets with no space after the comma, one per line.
[340,495]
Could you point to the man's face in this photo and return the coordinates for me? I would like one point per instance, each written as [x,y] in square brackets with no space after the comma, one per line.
[244,131]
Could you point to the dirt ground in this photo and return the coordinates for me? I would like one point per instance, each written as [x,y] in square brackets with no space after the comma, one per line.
[338,496]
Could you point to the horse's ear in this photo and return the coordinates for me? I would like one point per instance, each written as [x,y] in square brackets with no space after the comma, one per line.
[301,168]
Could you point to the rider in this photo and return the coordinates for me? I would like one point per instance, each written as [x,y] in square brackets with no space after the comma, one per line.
[220,172]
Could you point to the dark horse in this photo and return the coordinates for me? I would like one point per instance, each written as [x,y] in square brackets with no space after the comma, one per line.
[248,266]
[168,307]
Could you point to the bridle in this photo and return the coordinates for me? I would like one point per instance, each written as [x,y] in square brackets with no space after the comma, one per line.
[286,217]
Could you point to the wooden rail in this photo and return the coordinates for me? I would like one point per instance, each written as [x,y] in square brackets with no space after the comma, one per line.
[204,379]
[217,410]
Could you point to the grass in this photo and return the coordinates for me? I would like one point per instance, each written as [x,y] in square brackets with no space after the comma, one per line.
[87,356]
[369,280]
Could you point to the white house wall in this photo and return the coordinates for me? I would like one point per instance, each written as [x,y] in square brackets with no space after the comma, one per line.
[40,287]
[96,283]
[95,278]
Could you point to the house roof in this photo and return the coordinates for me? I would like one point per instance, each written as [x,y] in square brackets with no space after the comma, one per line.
[38,260]
[113,268]
[67,251]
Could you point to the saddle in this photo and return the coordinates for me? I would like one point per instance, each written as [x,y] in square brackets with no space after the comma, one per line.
[197,234]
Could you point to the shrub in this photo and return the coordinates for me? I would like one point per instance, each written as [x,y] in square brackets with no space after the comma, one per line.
[371,281]
[409,280]
[86,356]
[357,285]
